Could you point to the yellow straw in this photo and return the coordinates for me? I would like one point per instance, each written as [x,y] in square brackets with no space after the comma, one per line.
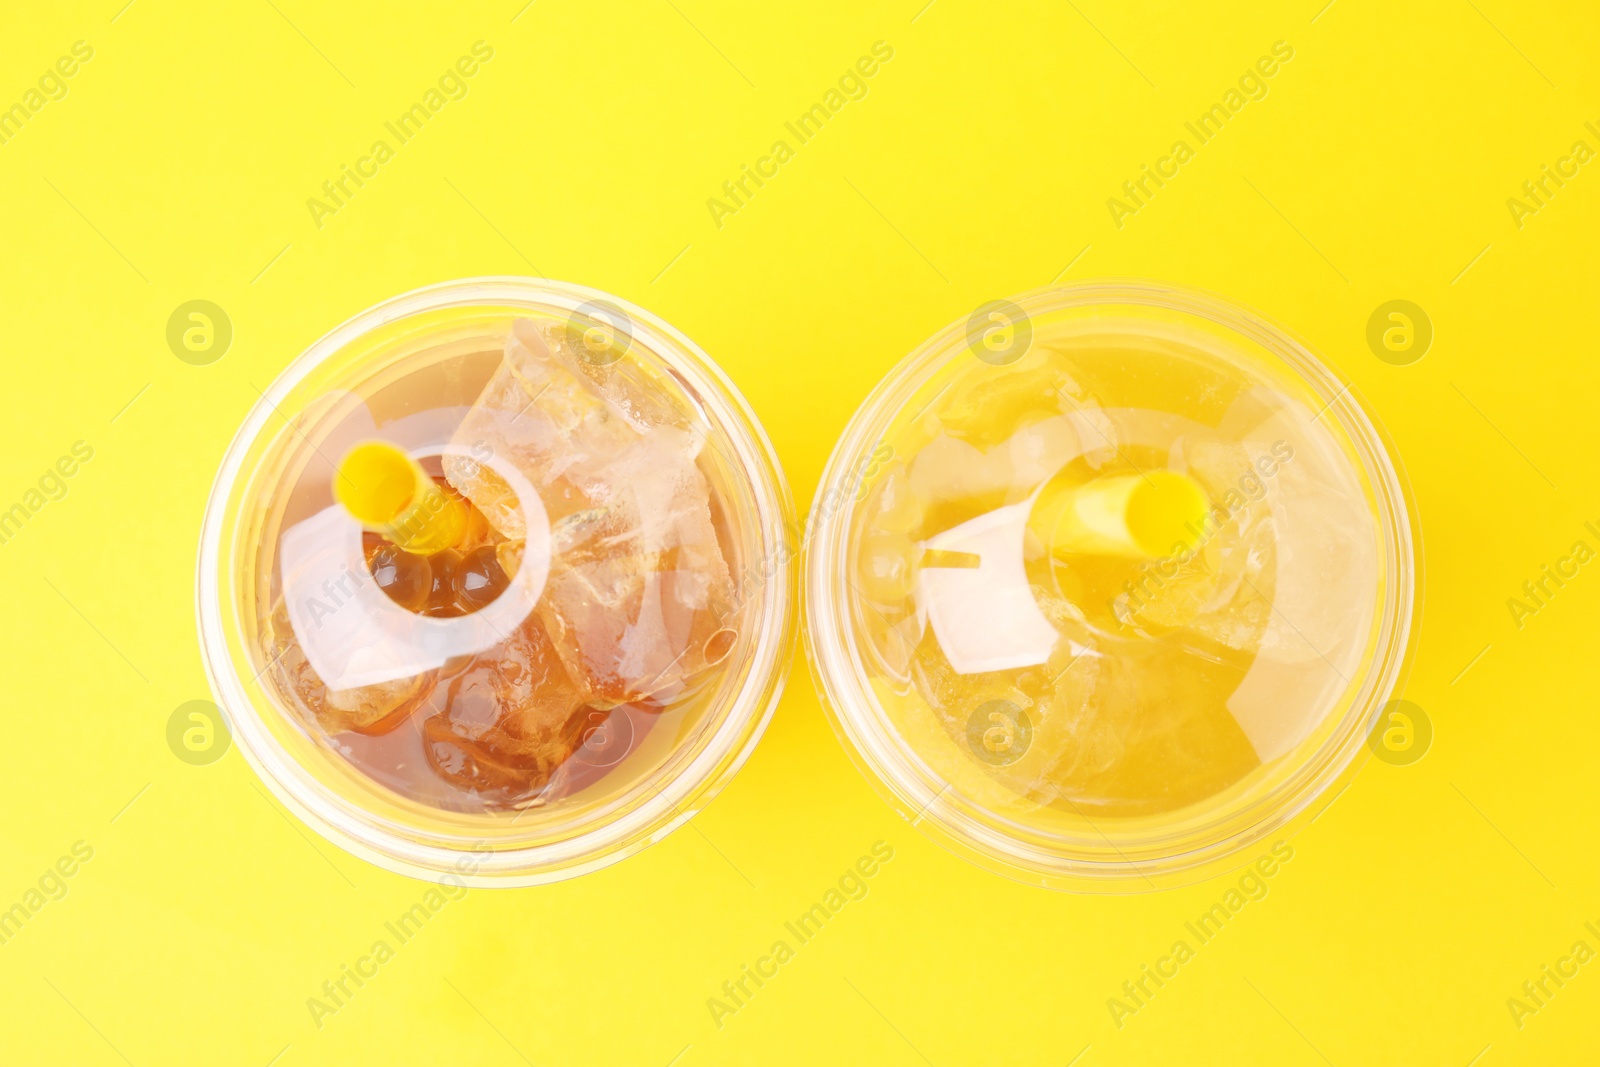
[388,492]
[1142,516]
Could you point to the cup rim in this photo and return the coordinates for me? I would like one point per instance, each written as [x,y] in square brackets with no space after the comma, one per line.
[613,838]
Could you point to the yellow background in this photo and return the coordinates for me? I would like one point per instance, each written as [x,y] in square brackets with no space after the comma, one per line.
[1378,167]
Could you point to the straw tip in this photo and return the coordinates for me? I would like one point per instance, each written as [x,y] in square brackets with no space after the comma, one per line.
[376,482]
[1167,511]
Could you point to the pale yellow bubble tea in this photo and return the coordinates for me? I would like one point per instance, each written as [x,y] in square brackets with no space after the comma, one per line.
[1113,577]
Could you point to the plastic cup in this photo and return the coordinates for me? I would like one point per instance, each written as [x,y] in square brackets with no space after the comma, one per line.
[597,654]
[1027,678]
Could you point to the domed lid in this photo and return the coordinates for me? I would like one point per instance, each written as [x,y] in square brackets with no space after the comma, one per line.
[1107,582]
[493,571]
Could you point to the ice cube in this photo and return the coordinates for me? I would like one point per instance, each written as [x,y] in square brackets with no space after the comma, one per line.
[1153,737]
[1325,586]
[1287,566]
[1114,725]
[510,718]
[1326,576]
[985,404]
[627,385]
[368,709]
[890,505]
[886,566]
[1221,586]
[639,590]
[539,416]
[1046,710]
[639,595]
[949,472]
[961,708]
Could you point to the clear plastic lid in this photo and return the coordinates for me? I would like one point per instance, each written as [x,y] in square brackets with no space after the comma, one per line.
[493,581]
[1107,583]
